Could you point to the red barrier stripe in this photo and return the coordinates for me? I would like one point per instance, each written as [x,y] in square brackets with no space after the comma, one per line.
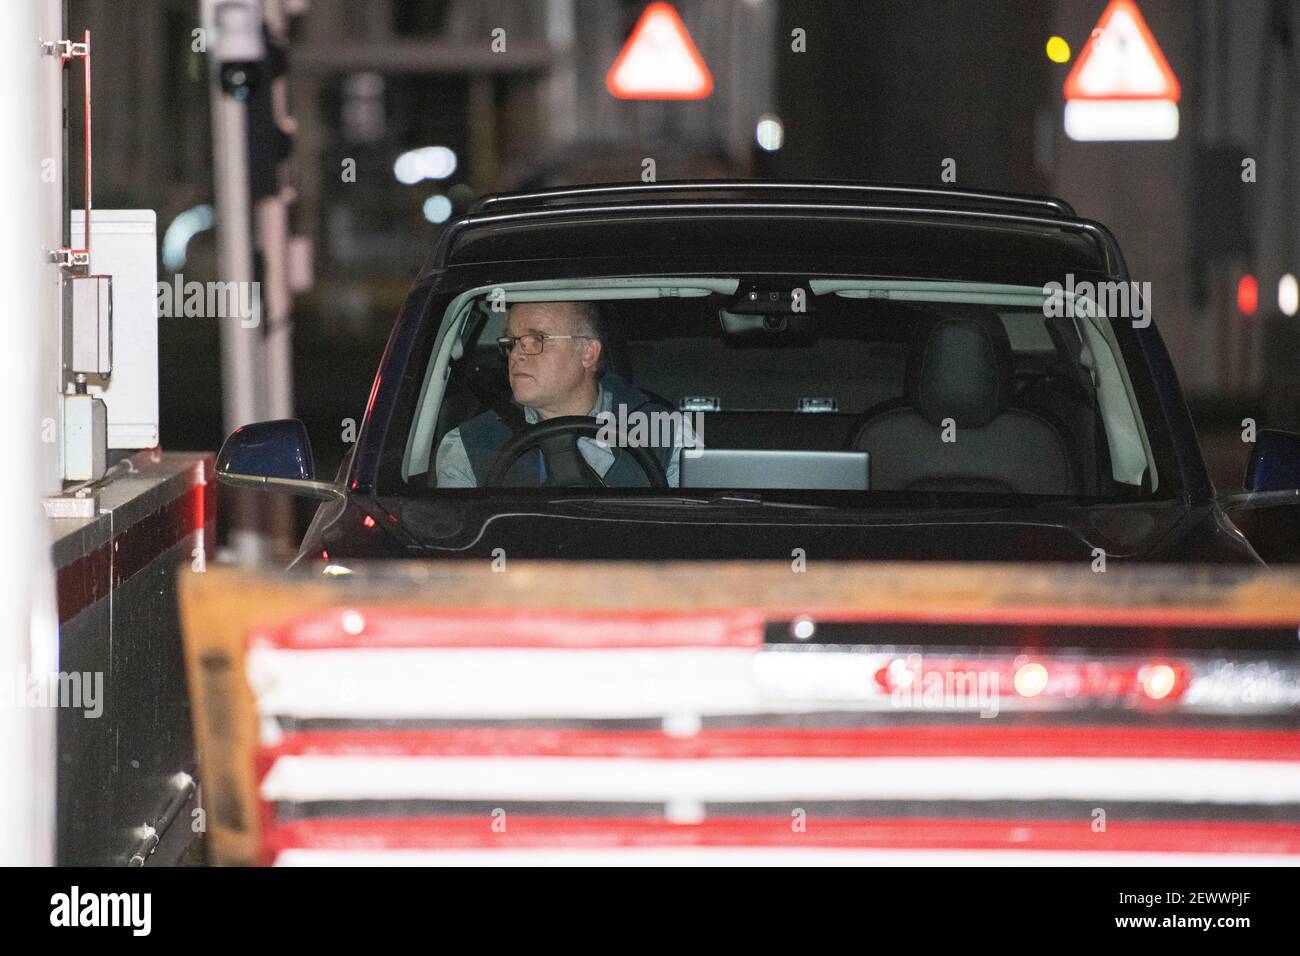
[383,627]
[906,741]
[371,627]
[522,832]
[89,578]
[84,581]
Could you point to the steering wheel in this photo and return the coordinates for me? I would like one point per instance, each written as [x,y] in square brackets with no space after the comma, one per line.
[557,439]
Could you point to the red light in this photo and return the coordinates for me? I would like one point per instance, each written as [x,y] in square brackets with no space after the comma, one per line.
[1160,680]
[1247,294]
[368,521]
[200,491]
[1030,679]
[1027,679]
[325,555]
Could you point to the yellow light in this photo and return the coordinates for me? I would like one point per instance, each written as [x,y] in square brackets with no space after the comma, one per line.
[1158,681]
[1058,51]
[1031,680]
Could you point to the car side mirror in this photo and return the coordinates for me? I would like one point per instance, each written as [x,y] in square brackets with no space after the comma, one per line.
[272,456]
[1274,463]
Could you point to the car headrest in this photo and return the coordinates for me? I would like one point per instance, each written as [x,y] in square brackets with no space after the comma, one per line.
[959,366]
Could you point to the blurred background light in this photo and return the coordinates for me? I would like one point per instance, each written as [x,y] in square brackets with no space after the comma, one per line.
[429,162]
[460,194]
[1058,51]
[770,133]
[1158,680]
[1288,294]
[1031,680]
[183,228]
[1247,294]
[437,209]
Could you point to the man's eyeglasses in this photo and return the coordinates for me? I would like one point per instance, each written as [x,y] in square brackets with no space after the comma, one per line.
[532,343]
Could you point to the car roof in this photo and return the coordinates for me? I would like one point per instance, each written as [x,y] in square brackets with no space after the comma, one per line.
[760,191]
[794,227]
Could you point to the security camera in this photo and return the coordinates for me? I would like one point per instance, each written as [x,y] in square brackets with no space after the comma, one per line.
[238,46]
[238,79]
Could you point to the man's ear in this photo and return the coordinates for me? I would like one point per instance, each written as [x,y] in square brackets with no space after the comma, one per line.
[591,354]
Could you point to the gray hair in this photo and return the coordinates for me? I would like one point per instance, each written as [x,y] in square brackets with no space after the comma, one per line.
[594,317]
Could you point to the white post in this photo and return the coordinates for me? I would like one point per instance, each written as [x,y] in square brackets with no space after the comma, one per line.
[561,85]
[272,215]
[30,378]
[243,358]
[277,304]
[240,346]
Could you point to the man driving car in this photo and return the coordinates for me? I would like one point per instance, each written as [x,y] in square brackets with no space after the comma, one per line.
[556,359]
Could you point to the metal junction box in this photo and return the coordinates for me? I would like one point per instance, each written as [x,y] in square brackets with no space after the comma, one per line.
[123,247]
[83,418]
[88,326]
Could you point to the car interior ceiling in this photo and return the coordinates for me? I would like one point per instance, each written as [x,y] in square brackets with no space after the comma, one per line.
[846,357]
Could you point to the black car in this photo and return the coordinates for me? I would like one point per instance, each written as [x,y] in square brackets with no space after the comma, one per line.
[821,371]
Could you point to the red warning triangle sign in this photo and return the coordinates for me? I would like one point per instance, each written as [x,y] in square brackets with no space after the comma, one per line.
[659,61]
[1121,61]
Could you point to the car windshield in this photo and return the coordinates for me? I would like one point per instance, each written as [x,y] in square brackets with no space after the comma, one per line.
[844,390]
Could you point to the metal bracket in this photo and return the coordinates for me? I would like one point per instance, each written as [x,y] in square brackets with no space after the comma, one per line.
[78,504]
[73,261]
[814,405]
[76,261]
[65,50]
[701,403]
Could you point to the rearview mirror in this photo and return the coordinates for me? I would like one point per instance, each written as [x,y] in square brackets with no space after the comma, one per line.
[272,456]
[1274,463]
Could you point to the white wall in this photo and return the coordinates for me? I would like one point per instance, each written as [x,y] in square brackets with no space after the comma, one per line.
[29,372]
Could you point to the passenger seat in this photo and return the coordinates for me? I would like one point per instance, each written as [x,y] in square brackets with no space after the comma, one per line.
[959,367]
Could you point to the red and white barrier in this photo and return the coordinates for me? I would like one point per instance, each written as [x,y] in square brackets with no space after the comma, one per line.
[454,737]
